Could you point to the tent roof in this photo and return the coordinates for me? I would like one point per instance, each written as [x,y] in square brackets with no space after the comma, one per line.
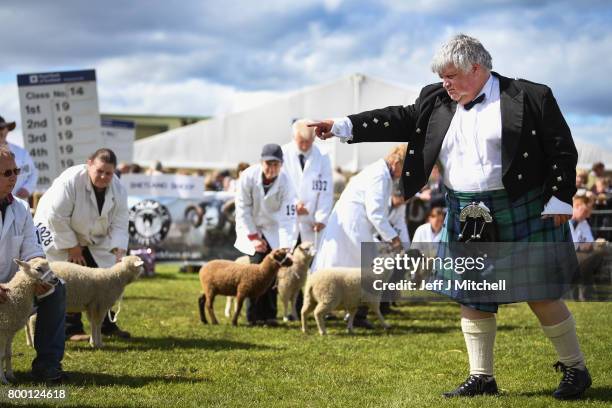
[222,142]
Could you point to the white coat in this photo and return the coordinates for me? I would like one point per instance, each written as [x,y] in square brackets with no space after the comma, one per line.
[28,178]
[18,238]
[361,212]
[313,187]
[397,218]
[67,215]
[270,214]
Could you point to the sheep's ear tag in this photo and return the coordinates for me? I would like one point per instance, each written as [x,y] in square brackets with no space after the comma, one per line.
[139,263]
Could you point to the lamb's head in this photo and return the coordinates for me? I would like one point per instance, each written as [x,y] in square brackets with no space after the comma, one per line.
[306,251]
[281,257]
[37,269]
[132,267]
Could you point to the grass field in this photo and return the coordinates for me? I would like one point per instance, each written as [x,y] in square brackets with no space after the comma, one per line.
[174,361]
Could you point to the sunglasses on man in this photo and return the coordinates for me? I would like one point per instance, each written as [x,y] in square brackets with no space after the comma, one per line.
[10,172]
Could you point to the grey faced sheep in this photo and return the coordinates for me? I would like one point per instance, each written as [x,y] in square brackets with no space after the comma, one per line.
[14,312]
[293,278]
[332,288]
[221,277]
[95,290]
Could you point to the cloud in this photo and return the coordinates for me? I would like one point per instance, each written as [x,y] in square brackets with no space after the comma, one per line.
[207,57]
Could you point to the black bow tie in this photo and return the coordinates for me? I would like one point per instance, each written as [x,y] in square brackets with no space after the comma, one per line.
[476,101]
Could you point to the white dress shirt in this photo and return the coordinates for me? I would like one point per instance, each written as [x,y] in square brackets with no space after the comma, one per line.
[471,150]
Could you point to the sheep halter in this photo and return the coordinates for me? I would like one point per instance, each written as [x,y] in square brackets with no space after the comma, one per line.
[280,263]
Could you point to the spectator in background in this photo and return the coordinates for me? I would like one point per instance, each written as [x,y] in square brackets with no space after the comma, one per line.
[590,258]
[431,231]
[122,168]
[601,186]
[598,170]
[156,169]
[135,169]
[28,177]
[582,178]
[431,195]
[232,185]
[433,192]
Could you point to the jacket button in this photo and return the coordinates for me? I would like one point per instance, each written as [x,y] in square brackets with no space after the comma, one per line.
[365,125]
[520,177]
[418,130]
[525,155]
[533,132]
[554,167]
[386,124]
[411,152]
[559,178]
[407,174]
[375,120]
[554,188]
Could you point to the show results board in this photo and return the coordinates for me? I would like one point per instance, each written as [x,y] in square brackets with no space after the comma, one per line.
[60,120]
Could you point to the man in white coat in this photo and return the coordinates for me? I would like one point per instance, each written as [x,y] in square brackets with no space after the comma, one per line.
[361,213]
[28,176]
[83,218]
[265,220]
[310,173]
[18,240]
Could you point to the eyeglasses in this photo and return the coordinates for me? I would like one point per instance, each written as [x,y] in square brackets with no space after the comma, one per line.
[9,172]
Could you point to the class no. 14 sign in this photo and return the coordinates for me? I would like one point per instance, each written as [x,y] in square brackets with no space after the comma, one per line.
[60,120]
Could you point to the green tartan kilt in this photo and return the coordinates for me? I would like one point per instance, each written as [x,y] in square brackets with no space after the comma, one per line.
[517,222]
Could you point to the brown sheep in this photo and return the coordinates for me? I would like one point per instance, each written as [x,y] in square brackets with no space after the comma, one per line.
[221,277]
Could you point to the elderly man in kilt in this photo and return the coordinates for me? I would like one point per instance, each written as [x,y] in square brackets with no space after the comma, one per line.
[502,142]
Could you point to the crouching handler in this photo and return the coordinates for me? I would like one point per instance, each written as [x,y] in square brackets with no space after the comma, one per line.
[83,218]
[265,220]
[18,240]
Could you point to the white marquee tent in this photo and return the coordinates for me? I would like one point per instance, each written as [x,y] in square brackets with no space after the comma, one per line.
[223,142]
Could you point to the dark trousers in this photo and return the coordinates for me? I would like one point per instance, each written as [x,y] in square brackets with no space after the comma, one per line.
[264,307]
[74,324]
[49,333]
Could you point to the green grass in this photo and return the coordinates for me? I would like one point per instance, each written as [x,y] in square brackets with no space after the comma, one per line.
[175,361]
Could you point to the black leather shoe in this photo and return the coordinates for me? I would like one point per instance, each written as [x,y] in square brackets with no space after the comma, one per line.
[475,385]
[51,377]
[363,323]
[574,382]
[116,332]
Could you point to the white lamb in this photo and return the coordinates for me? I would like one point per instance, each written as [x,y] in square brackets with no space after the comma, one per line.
[95,290]
[333,288]
[14,313]
[291,279]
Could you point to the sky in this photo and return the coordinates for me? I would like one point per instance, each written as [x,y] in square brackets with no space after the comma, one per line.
[210,57]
